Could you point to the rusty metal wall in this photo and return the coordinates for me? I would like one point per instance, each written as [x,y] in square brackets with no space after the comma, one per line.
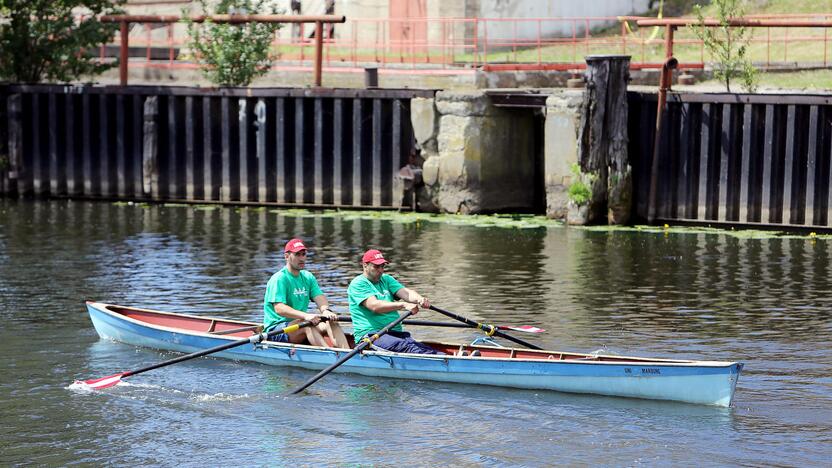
[736,159]
[306,147]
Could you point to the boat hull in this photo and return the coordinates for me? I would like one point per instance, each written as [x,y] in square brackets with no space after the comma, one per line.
[700,382]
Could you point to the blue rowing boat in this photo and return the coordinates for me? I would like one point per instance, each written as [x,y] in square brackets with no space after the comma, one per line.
[700,382]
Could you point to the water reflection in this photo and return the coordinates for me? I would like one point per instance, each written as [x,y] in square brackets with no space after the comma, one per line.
[711,296]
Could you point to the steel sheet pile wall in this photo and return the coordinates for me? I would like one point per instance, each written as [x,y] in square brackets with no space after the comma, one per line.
[279,146]
[737,159]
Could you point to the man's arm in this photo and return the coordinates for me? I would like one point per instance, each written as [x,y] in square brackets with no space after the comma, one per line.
[323,307]
[295,314]
[410,295]
[378,306]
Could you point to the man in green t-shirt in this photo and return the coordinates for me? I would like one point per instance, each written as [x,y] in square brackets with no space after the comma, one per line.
[373,305]
[287,298]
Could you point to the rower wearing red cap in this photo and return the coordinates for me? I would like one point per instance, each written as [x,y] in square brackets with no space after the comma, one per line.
[287,299]
[373,306]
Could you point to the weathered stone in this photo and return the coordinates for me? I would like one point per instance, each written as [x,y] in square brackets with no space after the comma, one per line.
[463,104]
[430,170]
[425,122]
[458,133]
[561,149]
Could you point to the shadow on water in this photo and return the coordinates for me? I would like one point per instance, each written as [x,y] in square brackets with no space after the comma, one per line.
[763,301]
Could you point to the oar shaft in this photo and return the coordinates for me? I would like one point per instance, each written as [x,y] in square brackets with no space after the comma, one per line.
[252,339]
[423,323]
[478,325]
[366,341]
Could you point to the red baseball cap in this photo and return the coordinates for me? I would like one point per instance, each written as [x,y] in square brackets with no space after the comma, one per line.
[373,256]
[294,246]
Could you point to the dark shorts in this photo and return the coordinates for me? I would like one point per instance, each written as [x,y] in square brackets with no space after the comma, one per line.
[401,342]
[281,338]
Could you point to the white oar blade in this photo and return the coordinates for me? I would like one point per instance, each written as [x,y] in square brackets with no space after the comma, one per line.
[523,328]
[102,383]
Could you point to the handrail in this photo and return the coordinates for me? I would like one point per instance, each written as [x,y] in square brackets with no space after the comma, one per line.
[125,20]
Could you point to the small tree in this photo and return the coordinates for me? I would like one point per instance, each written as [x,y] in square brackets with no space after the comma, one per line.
[48,39]
[727,44]
[233,54]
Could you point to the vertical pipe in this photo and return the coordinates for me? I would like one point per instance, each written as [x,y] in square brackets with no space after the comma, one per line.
[106,183]
[398,150]
[319,45]
[664,85]
[123,55]
[172,174]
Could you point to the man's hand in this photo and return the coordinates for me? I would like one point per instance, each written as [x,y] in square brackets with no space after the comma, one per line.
[423,302]
[409,306]
[315,319]
[332,316]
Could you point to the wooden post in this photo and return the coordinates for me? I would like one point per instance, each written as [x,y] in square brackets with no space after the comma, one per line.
[602,142]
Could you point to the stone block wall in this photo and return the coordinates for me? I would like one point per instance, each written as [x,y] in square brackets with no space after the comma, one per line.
[563,115]
[478,158]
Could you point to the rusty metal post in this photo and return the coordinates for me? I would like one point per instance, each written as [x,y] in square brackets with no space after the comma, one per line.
[122,66]
[664,84]
[319,51]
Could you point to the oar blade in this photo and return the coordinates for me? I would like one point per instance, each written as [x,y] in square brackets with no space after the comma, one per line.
[522,328]
[103,382]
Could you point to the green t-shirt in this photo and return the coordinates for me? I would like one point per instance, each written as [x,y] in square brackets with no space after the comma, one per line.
[363,319]
[286,288]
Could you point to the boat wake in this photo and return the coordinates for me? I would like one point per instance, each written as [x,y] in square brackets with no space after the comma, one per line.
[217,397]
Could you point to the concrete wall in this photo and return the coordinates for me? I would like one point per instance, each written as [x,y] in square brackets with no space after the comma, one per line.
[563,114]
[478,158]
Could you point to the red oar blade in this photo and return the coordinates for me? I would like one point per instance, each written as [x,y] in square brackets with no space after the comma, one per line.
[522,328]
[103,382]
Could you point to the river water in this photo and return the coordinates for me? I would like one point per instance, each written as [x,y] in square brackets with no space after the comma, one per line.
[764,301]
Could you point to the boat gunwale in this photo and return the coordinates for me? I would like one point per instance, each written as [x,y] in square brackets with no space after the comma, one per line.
[619,359]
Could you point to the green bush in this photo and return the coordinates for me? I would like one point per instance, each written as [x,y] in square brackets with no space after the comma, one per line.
[233,54]
[728,44]
[45,40]
[579,192]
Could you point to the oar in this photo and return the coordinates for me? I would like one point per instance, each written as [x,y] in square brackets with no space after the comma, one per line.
[112,380]
[428,323]
[366,341]
[489,329]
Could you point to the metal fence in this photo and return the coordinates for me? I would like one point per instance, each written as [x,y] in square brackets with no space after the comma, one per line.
[315,147]
[736,159]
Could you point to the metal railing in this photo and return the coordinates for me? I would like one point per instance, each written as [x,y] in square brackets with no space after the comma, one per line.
[460,45]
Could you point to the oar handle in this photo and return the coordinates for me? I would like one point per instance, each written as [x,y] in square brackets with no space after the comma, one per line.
[366,341]
[492,328]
